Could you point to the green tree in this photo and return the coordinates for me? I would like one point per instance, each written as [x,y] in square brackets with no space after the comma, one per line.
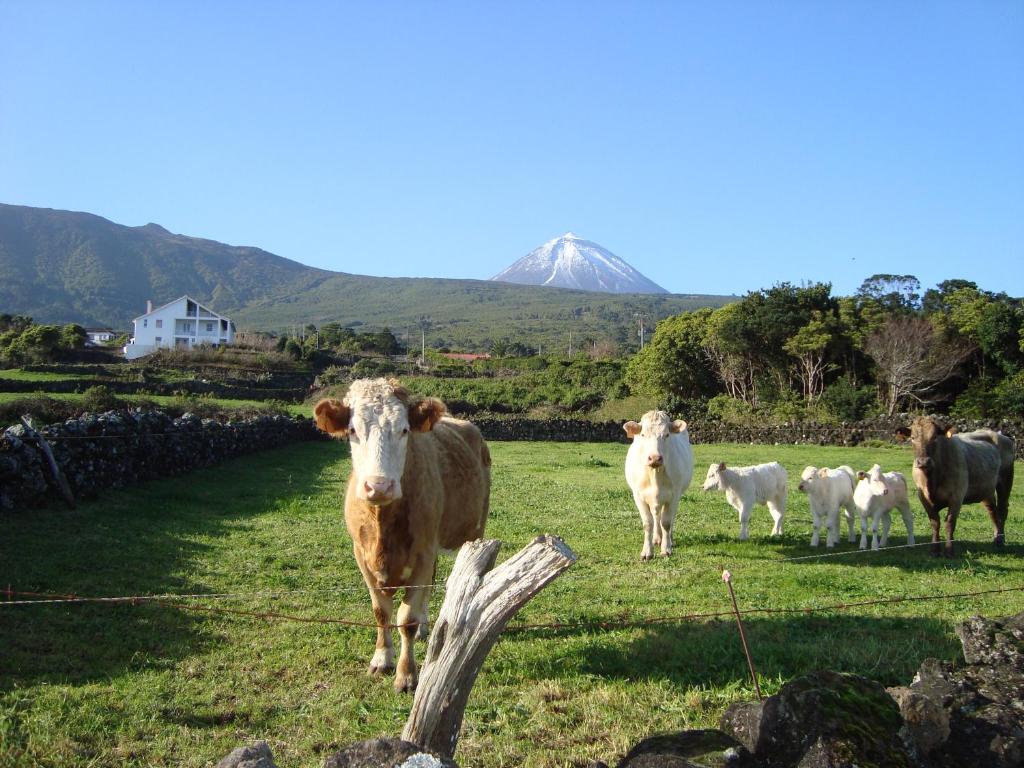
[809,345]
[675,362]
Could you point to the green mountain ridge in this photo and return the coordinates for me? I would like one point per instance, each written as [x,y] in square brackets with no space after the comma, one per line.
[64,266]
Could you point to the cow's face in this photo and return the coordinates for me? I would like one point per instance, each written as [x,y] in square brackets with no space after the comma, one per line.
[807,479]
[925,434]
[377,417]
[652,435]
[713,480]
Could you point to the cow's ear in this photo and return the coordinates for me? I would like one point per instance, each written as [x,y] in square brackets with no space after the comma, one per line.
[862,475]
[678,425]
[332,416]
[950,430]
[425,413]
[632,428]
[823,472]
[721,466]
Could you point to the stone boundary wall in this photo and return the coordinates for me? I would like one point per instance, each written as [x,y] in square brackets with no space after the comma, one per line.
[196,387]
[580,430]
[119,448]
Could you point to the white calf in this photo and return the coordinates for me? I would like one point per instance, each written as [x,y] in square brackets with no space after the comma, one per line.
[827,490]
[746,486]
[875,495]
[659,467]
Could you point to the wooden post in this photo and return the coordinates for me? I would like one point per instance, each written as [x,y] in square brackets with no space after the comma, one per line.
[476,608]
[58,476]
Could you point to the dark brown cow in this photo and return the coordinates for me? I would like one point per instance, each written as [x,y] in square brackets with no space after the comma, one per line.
[951,470]
[420,481]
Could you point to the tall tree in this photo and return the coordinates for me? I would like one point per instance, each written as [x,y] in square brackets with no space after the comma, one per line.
[895,293]
[912,359]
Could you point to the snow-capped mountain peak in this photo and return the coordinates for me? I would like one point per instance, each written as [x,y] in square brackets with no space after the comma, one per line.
[570,261]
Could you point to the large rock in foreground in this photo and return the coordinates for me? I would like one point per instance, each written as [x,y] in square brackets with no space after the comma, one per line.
[822,720]
[972,716]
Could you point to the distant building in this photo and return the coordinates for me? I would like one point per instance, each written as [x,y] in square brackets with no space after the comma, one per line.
[183,322]
[96,336]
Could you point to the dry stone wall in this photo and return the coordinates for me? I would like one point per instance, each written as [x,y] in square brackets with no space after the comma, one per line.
[707,432]
[119,448]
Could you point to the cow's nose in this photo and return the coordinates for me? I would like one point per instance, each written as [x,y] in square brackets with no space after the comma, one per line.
[922,462]
[655,459]
[800,487]
[379,489]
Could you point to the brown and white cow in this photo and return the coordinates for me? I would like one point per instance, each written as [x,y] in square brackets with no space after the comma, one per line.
[951,470]
[420,482]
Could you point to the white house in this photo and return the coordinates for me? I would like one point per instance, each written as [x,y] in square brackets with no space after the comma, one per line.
[97,336]
[183,322]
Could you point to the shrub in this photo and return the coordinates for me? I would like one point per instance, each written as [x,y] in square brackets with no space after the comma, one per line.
[99,398]
[848,402]
[42,409]
[731,410]
[370,367]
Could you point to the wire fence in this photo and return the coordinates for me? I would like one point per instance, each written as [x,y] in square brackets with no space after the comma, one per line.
[182,601]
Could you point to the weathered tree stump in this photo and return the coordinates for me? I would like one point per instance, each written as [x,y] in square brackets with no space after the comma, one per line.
[58,477]
[477,606]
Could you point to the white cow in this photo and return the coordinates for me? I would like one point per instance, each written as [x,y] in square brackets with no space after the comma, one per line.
[827,490]
[746,486]
[659,468]
[875,495]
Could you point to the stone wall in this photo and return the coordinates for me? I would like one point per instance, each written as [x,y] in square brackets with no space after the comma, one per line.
[247,391]
[580,430]
[118,448]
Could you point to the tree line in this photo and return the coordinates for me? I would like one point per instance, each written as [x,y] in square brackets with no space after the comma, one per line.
[798,352]
[23,341]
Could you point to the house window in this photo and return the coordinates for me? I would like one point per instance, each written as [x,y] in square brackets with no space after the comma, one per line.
[159,339]
[145,323]
[209,327]
[159,323]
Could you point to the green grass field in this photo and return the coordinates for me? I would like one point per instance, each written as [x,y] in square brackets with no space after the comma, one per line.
[114,685]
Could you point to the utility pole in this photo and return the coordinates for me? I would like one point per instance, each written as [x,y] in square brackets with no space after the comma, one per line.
[640,316]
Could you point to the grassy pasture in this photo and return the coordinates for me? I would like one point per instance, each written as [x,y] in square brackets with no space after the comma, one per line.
[106,685]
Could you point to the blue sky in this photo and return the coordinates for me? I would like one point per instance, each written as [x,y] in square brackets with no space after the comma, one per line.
[717,147]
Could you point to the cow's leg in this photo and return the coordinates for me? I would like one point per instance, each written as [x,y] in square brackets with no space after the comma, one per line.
[951,516]
[383,660]
[832,535]
[411,615]
[864,529]
[908,520]
[423,630]
[668,516]
[1004,485]
[849,524]
[886,525]
[997,522]
[815,525]
[933,518]
[778,512]
[745,509]
[647,519]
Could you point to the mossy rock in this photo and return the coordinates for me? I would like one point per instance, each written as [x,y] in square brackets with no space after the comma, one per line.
[831,720]
[688,749]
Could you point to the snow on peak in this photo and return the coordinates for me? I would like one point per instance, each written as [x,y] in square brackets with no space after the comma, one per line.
[570,261]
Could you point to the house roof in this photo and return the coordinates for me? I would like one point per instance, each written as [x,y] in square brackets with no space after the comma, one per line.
[175,301]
